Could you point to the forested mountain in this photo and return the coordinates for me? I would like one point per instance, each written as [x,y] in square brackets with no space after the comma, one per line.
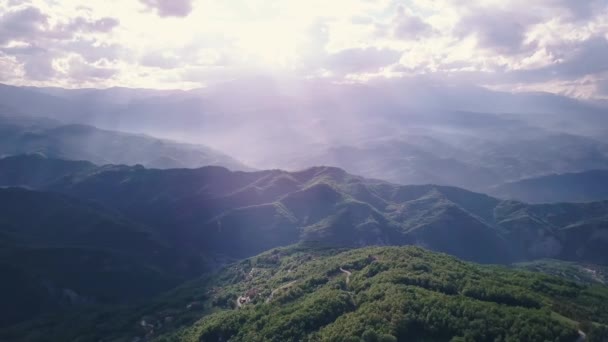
[239,214]
[140,231]
[370,294]
[21,134]
[577,272]
[583,186]
[57,252]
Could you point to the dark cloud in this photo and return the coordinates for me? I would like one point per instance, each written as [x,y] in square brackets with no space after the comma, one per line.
[37,61]
[573,60]
[28,25]
[575,65]
[39,43]
[38,67]
[602,87]
[504,29]
[170,8]
[31,25]
[404,26]
[361,60]
[17,2]
[407,26]
[22,24]
[577,10]
[582,58]
[501,31]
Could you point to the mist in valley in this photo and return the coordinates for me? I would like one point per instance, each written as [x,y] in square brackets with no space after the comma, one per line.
[407,131]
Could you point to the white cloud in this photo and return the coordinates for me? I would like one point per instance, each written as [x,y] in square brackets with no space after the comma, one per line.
[188,43]
[170,8]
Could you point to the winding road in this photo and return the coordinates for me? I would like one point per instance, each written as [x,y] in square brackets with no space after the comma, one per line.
[582,337]
[348,274]
[279,289]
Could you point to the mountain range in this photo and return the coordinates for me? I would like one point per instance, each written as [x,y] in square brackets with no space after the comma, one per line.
[110,234]
[240,214]
[585,186]
[22,134]
[57,252]
[408,139]
[114,235]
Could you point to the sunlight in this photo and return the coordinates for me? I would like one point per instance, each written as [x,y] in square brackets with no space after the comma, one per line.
[273,44]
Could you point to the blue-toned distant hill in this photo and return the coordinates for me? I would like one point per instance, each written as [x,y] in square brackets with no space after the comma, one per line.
[583,186]
[239,214]
[400,131]
[21,134]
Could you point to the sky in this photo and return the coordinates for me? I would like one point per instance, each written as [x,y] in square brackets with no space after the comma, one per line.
[557,46]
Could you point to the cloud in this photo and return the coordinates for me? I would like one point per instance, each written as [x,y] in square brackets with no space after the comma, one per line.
[36,61]
[82,24]
[35,41]
[574,60]
[361,60]
[160,60]
[38,67]
[80,70]
[22,24]
[496,29]
[516,43]
[93,50]
[32,25]
[170,8]
[407,26]
[602,87]
[576,10]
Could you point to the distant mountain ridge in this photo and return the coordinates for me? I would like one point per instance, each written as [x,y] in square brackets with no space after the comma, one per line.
[583,186]
[22,134]
[410,139]
[239,214]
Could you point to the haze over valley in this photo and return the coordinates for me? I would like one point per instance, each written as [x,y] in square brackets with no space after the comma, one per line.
[353,170]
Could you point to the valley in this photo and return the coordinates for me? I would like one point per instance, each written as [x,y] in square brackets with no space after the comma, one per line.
[192,253]
[395,293]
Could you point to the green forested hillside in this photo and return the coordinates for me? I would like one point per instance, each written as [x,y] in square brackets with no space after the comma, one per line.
[239,214]
[114,234]
[577,272]
[370,294]
[57,253]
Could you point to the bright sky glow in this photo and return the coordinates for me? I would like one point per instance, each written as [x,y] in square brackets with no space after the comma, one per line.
[551,45]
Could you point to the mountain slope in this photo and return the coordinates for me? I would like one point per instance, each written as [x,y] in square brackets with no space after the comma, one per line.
[37,171]
[583,186]
[475,159]
[57,252]
[577,272]
[239,214]
[22,135]
[372,294]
